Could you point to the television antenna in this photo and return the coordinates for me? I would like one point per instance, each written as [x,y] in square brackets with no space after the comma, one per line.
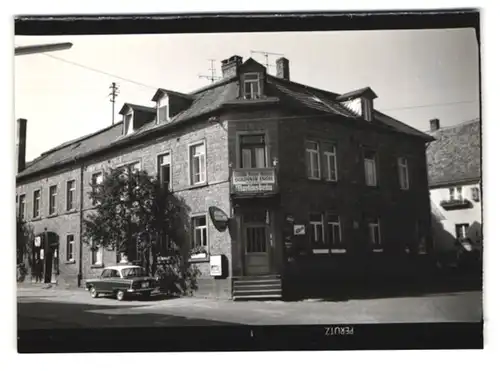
[212,77]
[266,55]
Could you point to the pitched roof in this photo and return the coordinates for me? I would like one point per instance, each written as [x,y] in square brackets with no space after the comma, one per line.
[204,101]
[137,107]
[455,155]
[357,93]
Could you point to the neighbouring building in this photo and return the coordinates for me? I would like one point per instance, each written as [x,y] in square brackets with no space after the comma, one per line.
[454,162]
[314,183]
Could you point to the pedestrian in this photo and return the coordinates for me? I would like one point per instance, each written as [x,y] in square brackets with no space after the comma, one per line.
[37,269]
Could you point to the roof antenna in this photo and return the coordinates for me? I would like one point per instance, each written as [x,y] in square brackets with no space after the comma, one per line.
[266,55]
[212,77]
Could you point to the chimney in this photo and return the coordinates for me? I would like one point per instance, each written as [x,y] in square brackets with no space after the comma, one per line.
[283,68]
[434,124]
[21,144]
[230,66]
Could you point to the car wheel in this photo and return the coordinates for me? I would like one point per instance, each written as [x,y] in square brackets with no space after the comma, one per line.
[93,292]
[120,295]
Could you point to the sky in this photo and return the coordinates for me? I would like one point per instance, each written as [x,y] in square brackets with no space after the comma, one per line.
[417,74]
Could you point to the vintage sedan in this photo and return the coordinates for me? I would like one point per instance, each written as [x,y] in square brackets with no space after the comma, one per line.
[121,281]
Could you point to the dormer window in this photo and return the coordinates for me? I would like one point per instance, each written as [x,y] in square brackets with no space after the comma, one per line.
[251,85]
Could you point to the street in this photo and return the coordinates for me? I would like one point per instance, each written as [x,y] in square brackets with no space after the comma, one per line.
[54,308]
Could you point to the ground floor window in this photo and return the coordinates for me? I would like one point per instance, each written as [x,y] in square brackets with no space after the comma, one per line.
[375,236]
[70,247]
[199,236]
[316,229]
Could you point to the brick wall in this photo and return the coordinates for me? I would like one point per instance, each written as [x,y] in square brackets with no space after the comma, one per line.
[198,199]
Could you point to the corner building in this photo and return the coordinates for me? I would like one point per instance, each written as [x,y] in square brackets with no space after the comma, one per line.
[316,185]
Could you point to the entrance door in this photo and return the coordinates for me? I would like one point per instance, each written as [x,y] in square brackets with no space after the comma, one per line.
[256,243]
[48,266]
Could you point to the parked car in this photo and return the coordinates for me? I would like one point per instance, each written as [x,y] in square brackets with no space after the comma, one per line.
[121,281]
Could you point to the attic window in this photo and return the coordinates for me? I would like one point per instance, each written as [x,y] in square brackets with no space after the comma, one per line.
[251,85]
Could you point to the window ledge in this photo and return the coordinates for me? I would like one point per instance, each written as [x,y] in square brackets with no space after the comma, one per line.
[199,185]
[72,211]
[37,219]
[70,262]
[96,266]
[52,215]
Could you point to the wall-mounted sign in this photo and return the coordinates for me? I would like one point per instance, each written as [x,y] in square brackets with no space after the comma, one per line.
[219,218]
[38,241]
[41,254]
[254,180]
[216,265]
[289,219]
[299,229]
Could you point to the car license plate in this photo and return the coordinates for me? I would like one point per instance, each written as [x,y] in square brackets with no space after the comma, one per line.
[145,284]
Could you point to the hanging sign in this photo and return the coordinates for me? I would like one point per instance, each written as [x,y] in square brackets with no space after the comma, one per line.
[299,229]
[38,241]
[219,218]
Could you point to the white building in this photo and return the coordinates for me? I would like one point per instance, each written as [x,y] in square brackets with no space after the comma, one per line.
[454,167]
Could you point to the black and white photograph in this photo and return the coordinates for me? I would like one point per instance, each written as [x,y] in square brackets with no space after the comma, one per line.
[264,182]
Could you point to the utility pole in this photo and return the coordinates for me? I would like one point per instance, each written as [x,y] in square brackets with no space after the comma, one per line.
[266,55]
[114,93]
[212,77]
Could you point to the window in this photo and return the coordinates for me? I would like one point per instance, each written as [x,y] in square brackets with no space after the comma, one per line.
[370,169]
[330,154]
[253,152]
[197,163]
[456,194]
[113,273]
[70,247]
[334,233]
[128,126]
[52,199]
[96,180]
[22,206]
[70,195]
[461,230]
[316,228]
[164,170]
[200,237]
[251,86]
[374,231]
[404,181]
[312,160]
[36,204]
[130,168]
[96,254]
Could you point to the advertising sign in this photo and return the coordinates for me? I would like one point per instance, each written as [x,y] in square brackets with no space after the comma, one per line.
[254,180]
[216,265]
[299,229]
[38,241]
[219,218]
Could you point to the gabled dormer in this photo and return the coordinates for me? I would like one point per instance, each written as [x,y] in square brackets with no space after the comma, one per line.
[135,116]
[169,104]
[360,102]
[252,76]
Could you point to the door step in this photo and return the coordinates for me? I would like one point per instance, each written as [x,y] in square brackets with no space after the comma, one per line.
[257,287]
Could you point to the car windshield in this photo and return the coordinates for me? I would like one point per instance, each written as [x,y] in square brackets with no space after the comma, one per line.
[133,272]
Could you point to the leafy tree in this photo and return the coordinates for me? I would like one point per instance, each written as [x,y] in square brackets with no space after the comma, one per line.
[24,241]
[135,214]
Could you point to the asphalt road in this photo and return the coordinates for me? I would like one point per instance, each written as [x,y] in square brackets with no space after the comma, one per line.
[55,308]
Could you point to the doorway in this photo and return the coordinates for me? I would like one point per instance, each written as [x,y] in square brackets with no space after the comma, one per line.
[256,242]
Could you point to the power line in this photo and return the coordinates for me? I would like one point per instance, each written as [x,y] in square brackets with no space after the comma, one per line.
[429,105]
[101,72]
[155,88]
